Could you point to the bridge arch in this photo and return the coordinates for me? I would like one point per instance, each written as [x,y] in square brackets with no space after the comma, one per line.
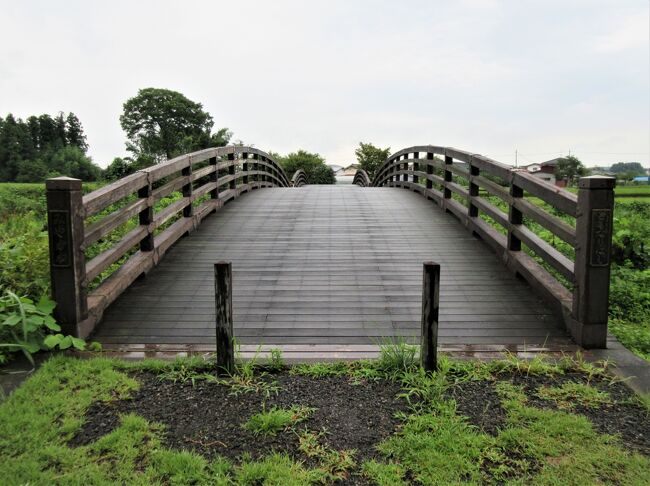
[86,241]
[499,204]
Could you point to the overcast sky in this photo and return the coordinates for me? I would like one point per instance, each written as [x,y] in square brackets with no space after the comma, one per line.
[541,77]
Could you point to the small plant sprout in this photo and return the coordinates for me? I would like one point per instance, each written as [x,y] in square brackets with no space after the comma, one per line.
[277,419]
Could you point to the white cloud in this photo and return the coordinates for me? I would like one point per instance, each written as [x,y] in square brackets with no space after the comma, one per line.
[489,76]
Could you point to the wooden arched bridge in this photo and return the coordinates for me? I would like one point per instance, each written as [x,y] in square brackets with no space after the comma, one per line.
[332,268]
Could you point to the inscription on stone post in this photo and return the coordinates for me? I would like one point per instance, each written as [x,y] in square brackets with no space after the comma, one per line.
[59,231]
[601,230]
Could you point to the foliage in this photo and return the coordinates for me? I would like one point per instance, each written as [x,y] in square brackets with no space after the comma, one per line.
[27,327]
[569,168]
[161,123]
[631,235]
[397,356]
[632,168]
[270,422]
[42,147]
[570,394]
[316,170]
[370,158]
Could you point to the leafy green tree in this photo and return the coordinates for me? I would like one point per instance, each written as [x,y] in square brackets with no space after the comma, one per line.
[161,124]
[313,164]
[632,168]
[27,147]
[569,168]
[118,168]
[72,162]
[33,170]
[75,133]
[370,157]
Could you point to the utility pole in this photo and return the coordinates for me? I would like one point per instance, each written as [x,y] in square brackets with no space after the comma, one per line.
[516,156]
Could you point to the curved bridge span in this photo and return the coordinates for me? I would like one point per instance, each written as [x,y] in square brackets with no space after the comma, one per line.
[337,265]
[524,264]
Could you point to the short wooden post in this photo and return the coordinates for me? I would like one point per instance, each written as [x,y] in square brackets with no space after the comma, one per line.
[65,225]
[405,168]
[592,260]
[430,306]
[223,315]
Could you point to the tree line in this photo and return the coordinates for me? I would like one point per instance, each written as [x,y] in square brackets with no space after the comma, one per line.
[159,124]
[43,146]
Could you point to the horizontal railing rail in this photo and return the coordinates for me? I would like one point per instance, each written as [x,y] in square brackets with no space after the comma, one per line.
[101,242]
[361,178]
[299,178]
[501,205]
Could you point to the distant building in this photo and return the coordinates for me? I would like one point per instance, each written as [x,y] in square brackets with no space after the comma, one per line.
[642,179]
[545,171]
[345,175]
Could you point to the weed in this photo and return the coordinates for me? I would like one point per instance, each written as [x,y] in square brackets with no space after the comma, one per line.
[570,394]
[384,474]
[397,356]
[319,370]
[276,362]
[276,419]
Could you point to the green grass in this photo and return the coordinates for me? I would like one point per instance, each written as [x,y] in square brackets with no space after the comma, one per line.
[272,421]
[434,445]
[570,394]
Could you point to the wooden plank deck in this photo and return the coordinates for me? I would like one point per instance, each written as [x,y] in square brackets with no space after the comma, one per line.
[330,265]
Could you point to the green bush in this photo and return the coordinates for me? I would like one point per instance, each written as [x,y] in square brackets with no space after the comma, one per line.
[27,326]
[632,234]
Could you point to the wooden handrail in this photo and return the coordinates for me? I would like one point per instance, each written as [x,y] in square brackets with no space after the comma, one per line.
[206,179]
[453,178]
[299,178]
[361,178]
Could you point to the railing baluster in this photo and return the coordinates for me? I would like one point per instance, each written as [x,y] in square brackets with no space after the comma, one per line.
[244,156]
[145,217]
[473,189]
[416,167]
[188,211]
[214,177]
[515,216]
[429,169]
[232,185]
[592,261]
[448,178]
[65,223]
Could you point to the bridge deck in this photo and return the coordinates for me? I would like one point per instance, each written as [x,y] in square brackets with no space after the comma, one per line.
[330,265]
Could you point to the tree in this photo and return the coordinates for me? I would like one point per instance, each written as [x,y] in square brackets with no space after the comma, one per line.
[75,133]
[370,158]
[632,168]
[569,168]
[161,124]
[316,170]
[72,162]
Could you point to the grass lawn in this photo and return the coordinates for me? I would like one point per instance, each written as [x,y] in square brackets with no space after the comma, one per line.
[102,421]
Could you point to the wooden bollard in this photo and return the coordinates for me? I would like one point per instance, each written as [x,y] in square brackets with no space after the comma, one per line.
[223,316]
[430,305]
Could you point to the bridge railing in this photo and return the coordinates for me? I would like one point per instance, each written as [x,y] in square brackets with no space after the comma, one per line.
[558,241]
[299,178]
[101,242]
[361,178]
